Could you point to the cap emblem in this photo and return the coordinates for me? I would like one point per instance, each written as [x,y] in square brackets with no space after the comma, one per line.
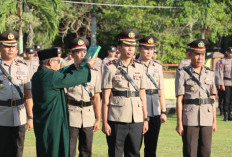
[201,44]
[80,42]
[131,34]
[10,36]
[150,41]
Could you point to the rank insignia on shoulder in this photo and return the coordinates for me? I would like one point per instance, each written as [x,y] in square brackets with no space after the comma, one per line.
[157,61]
[20,61]
[207,68]
[112,62]
[137,61]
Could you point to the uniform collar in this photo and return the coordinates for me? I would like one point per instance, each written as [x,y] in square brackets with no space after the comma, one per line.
[191,69]
[150,63]
[13,63]
[121,64]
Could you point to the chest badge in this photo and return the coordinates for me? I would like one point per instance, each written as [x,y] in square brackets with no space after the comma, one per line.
[1,85]
[119,82]
[192,89]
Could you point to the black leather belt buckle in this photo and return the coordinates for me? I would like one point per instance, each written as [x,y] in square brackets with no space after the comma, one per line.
[82,104]
[200,101]
[128,94]
[13,103]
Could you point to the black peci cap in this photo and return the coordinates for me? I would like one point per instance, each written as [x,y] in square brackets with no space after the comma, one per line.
[47,53]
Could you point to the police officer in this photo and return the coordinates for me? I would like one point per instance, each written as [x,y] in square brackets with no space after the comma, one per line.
[84,105]
[156,107]
[68,60]
[15,98]
[221,93]
[225,83]
[111,54]
[31,64]
[124,100]
[196,108]
[185,62]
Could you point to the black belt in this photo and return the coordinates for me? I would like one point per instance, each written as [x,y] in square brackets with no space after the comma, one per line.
[79,103]
[226,78]
[199,101]
[151,91]
[11,102]
[126,93]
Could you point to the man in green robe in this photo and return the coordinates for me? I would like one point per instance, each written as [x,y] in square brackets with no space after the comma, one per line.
[51,123]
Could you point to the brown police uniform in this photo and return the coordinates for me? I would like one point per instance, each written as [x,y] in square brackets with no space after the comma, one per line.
[155,70]
[125,114]
[81,119]
[81,110]
[221,93]
[32,65]
[225,78]
[197,116]
[12,107]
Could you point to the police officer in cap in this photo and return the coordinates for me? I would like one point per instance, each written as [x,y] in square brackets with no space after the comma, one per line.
[84,105]
[196,108]
[31,63]
[111,54]
[225,83]
[124,100]
[156,107]
[15,97]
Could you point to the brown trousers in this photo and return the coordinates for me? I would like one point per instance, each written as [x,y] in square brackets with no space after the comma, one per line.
[197,141]
[12,141]
[85,141]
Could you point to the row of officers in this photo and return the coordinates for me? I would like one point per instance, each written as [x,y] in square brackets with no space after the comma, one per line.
[133,102]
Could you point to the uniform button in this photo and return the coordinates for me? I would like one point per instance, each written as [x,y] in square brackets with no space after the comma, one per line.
[13,92]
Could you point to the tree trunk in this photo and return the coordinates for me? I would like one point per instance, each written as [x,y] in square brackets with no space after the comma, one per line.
[30,36]
[20,38]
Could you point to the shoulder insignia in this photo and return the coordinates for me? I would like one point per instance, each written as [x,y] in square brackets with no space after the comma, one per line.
[157,61]
[20,61]
[179,69]
[207,68]
[112,62]
[137,61]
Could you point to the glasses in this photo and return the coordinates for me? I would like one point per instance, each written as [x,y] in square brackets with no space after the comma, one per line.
[58,60]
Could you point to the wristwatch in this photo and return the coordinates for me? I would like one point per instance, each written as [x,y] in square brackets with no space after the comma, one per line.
[164,112]
[146,119]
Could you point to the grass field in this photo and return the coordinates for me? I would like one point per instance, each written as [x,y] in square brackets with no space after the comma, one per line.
[169,145]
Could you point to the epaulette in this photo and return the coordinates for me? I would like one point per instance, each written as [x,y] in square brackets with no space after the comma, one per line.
[137,61]
[112,62]
[157,61]
[179,69]
[20,61]
[207,68]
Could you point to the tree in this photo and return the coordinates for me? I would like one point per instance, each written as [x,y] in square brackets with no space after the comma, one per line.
[42,19]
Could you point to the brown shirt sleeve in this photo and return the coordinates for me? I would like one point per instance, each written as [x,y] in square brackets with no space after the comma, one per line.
[161,78]
[107,77]
[97,88]
[213,89]
[179,83]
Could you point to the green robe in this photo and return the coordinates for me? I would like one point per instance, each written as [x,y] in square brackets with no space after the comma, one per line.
[50,111]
